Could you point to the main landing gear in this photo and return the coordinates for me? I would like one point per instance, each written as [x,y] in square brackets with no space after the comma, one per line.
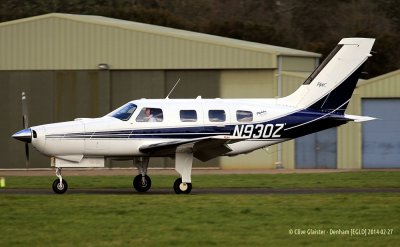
[60,185]
[183,165]
[182,188]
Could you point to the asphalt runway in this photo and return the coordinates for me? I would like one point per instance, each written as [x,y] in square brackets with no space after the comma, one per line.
[208,191]
[195,191]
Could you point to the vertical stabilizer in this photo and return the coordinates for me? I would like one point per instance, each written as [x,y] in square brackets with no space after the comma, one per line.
[330,86]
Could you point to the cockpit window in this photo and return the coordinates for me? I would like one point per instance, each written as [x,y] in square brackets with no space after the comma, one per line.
[244,116]
[124,112]
[148,114]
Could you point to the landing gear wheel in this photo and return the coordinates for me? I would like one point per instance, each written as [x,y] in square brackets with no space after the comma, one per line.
[182,188]
[60,188]
[142,184]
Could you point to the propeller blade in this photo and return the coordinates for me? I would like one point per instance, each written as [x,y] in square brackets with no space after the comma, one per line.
[25,122]
[26,155]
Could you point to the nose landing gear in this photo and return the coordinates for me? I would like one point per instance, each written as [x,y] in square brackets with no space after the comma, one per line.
[142,182]
[60,185]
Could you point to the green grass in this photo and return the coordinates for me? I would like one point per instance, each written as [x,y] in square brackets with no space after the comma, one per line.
[371,179]
[204,220]
[201,220]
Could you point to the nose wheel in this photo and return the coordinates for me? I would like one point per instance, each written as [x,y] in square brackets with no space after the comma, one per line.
[60,185]
[141,182]
[182,188]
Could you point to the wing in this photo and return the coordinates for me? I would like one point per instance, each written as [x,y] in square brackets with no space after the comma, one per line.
[203,149]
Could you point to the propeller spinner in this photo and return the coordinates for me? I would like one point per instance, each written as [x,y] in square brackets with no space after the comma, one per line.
[24,135]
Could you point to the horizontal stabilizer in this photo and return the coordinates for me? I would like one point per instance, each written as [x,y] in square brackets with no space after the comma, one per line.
[359,118]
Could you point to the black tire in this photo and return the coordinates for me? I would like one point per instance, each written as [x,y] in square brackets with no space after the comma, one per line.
[139,185]
[60,188]
[182,189]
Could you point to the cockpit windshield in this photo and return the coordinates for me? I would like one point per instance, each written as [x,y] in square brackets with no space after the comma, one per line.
[124,112]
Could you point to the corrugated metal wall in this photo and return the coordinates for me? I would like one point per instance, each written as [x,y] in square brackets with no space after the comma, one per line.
[40,88]
[381,138]
[385,86]
[247,83]
[52,96]
[349,138]
[299,64]
[54,43]
[56,96]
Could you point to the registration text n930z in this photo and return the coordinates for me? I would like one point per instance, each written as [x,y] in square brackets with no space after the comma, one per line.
[258,131]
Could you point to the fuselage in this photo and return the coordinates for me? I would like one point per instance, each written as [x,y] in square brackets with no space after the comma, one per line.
[121,133]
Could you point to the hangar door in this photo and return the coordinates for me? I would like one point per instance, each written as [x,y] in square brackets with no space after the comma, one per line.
[317,150]
[381,137]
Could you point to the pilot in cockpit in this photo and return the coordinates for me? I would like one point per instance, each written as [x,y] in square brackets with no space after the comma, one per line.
[149,116]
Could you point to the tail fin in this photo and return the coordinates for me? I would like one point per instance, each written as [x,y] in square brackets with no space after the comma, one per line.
[330,86]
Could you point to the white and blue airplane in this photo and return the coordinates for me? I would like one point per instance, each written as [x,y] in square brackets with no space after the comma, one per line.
[204,128]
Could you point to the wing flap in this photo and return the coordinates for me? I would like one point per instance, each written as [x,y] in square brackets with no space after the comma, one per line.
[208,149]
[203,148]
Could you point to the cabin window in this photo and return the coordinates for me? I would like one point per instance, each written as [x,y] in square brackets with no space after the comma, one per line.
[188,115]
[217,115]
[244,116]
[125,112]
[149,114]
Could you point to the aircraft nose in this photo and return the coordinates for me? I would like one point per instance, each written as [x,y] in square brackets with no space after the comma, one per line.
[24,135]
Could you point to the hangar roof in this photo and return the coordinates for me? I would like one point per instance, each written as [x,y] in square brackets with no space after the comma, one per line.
[190,35]
[67,41]
[383,86]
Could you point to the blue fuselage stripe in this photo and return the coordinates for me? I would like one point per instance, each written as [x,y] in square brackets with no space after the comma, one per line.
[287,127]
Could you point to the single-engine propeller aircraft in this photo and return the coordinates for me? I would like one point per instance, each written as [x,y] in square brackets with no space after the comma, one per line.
[204,128]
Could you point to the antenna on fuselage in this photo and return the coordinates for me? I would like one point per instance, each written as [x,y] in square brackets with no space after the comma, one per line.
[173,88]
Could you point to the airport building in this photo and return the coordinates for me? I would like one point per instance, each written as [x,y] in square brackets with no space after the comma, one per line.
[74,66]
